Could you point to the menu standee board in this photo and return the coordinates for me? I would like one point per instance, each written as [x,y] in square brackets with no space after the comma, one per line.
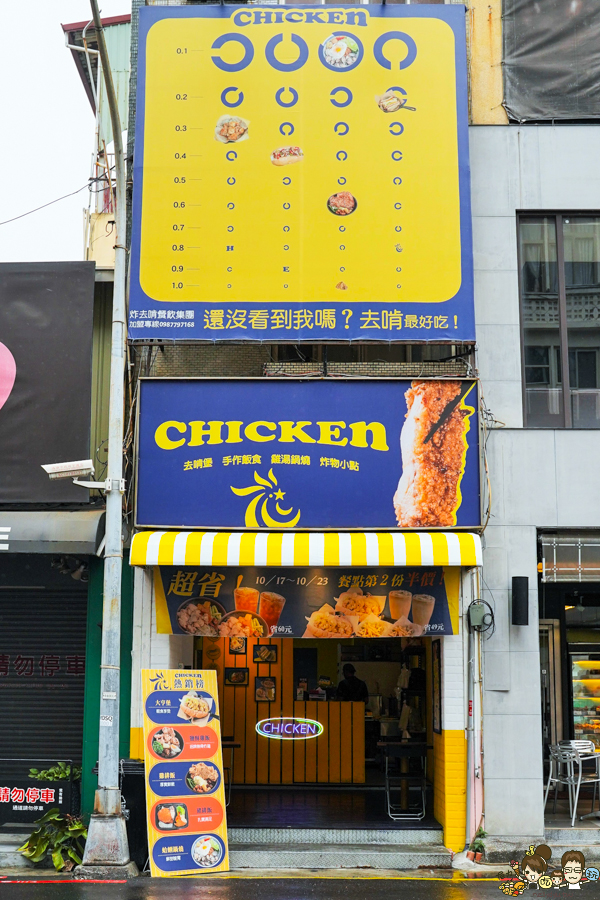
[302,175]
[185,789]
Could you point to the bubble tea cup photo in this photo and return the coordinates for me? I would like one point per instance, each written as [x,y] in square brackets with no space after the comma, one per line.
[422,609]
[400,602]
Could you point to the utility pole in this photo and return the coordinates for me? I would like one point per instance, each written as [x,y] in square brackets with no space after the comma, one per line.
[107,849]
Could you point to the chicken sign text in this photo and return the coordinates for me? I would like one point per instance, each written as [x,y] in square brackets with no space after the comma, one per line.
[335,433]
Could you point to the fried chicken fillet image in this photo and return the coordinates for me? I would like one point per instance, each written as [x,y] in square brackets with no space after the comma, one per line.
[427,493]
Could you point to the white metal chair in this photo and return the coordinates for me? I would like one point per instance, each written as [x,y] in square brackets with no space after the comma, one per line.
[572,757]
[556,776]
[581,746]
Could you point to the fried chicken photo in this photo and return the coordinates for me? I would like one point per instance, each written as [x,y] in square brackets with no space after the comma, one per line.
[427,493]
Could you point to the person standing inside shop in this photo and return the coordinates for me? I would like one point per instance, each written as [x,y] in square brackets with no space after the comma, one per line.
[351,687]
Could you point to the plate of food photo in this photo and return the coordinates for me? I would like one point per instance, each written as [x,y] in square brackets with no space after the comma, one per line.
[242,623]
[342,204]
[196,707]
[203,778]
[231,129]
[208,851]
[167,743]
[200,617]
[171,816]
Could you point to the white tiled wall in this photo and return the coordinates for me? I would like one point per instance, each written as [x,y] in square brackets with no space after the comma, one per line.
[540,478]
[173,651]
[453,695]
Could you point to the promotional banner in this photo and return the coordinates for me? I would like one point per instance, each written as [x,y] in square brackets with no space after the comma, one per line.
[306,602]
[185,791]
[46,325]
[302,174]
[271,453]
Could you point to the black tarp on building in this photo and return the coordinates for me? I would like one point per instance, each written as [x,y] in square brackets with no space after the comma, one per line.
[551,59]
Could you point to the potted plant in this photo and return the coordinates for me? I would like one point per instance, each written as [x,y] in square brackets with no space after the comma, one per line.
[61,837]
[479,849]
[477,846]
[61,772]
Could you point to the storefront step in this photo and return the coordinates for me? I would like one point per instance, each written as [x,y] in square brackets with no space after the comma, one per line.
[575,836]
[319,836]
[558,839]
[589,848]
[9,857]
[333,856]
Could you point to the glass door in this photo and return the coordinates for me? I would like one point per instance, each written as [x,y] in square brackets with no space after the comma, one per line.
[550,680]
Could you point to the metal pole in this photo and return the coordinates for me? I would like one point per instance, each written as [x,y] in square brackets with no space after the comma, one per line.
[107,848]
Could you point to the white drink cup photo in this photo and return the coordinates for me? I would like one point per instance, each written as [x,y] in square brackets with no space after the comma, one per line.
[422,609]
[400,602]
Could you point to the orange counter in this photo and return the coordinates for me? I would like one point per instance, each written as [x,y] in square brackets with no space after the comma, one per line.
[337,756]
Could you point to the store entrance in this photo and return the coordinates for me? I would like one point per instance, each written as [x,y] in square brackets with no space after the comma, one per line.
[570,679]
[570,661]
[334,774]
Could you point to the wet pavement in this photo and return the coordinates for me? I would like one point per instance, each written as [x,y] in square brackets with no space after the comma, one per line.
[365,887]
[423,884]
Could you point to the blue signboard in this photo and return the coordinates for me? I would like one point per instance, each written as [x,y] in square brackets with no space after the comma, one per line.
[171,779]
[306,454]
[164,706]
[315,187]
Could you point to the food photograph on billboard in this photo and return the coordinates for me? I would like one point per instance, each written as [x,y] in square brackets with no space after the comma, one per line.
[294,454]
[305,602]
[302,174]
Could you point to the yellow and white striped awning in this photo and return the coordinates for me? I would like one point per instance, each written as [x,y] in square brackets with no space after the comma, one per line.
[210,548]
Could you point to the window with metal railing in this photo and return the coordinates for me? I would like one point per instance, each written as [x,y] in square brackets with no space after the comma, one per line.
[559,259]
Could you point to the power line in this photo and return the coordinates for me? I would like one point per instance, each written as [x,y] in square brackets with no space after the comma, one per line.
[78,191]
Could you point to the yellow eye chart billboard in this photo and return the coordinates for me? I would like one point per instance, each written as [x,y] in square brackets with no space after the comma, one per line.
[301,173]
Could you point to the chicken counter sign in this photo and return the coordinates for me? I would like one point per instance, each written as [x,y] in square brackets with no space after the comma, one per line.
[287,454]
[302,173]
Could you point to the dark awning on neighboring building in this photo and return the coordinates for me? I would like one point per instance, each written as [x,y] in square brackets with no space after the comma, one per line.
[51,531]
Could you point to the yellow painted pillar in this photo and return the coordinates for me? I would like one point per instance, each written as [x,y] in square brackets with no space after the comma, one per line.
[450,786]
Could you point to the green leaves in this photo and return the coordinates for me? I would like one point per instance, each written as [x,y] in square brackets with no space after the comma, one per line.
[50,816]
[60,772]
[57,835]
